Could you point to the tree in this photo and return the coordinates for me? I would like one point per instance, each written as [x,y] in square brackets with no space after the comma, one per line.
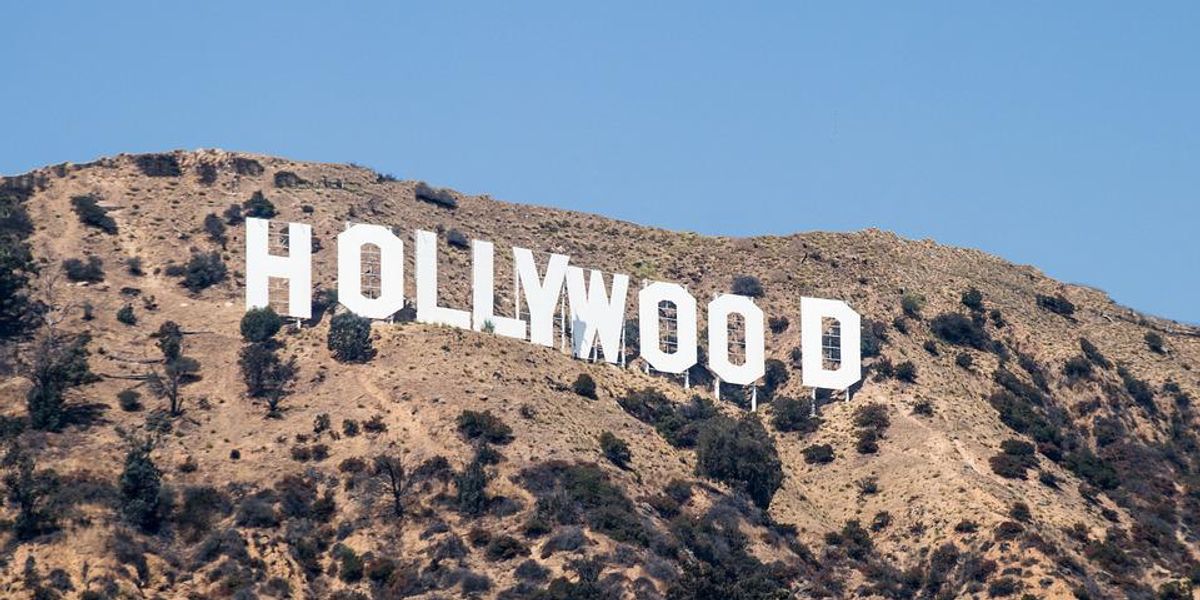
[472,488]
[391,471]
[56,364]
[741,454]
[170,340]
[260,325]
[140,484]
[177,370]
[29,491]
[16,263]
[350,338]
[166,384]
[267,376]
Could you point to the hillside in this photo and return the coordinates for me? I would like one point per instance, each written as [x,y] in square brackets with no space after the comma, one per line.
[1041,443]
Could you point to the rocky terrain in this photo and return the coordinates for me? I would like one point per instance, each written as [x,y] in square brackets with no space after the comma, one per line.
[1014,436]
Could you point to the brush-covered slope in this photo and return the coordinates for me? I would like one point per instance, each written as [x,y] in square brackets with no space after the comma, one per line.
[1028,438]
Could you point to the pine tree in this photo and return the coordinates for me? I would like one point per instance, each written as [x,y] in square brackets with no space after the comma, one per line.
[140,485]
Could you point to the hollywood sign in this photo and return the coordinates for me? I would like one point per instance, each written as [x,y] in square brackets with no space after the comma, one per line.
[596,311]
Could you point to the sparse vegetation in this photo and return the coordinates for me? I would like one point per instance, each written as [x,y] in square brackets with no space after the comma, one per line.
[350,338]
[1058,305]
[973,299]
[90,270]
[585,386]
[741,454]
[911,304]
[203,270]
[90,213]
[615,450]
[958,330]
[791,415]
[747,285]
[258,207]
[438,197]
[484,426]
[1155,342]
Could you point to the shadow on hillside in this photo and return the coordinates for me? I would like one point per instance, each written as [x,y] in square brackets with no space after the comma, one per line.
[85,416]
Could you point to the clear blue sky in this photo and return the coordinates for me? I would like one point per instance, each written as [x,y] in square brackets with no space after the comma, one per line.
[1060,134]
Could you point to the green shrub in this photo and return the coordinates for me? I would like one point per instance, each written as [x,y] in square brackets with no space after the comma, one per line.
[140,484]
[90,270]
[505,547]
[1077,368]
[215,228]
[247,166]
[872,416]
[90,213]
[471,485]
[158,165]
[1154,341]
[350,564]
[789,414]
[1015,459]
[907,372]
[259,207]
[1057,304]
[747,285]
[484,426]
[973,299]
[125,315]
[1093,354]
[615,449]
[959,330]
[203,270]
[778,325]
[775,377]
[438,197]
[350,338]
[740,453]
[260,325]
[567,491]
[912,303]
[129,400]
[585,386]
[818,454]
[874,336]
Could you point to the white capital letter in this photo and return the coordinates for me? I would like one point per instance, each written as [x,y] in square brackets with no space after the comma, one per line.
[813,312]
[296,267]
[685,327]
[482,293]
[391,271]
[718,339]
[594,312]
[428,310]
[540,294]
